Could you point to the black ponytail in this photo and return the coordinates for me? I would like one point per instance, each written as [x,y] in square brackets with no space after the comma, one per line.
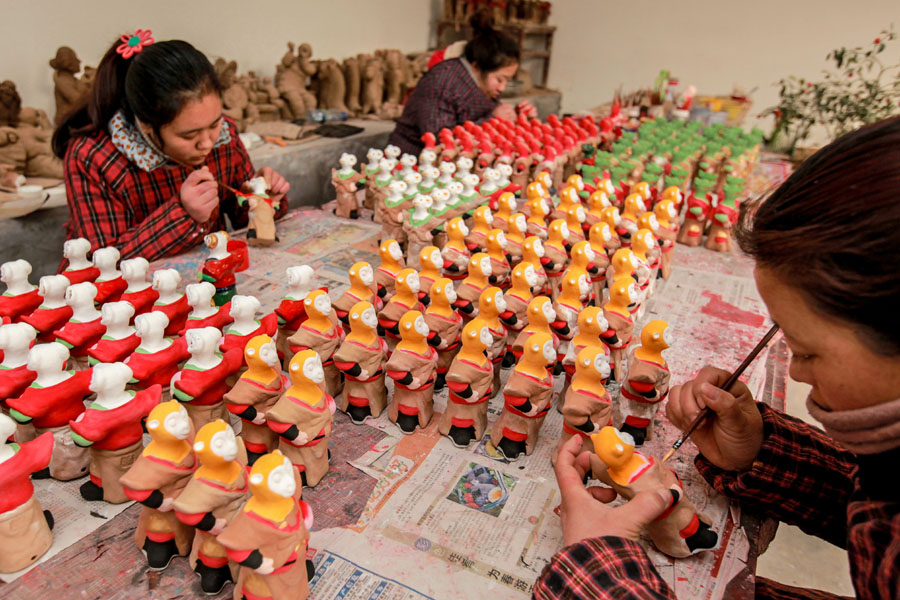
[489,50]
[153,86]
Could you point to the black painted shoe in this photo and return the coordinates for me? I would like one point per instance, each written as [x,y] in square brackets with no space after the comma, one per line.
[159,554]
[252,457]
[48,516]
[703,539]
[310,570]
[358,414]
[354,214]
[407,423]
[212,579]
[509,359]
[42,474]
[440,381]
[510,449]
[638,433]
[461,436]
[91,491]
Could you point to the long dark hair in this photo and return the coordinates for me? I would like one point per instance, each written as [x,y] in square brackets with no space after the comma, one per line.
[489,50]
[153,86]
[832,230]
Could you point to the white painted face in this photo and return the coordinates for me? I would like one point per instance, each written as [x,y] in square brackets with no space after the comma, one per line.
[484,335]
[488,217]
[545,208]
[605,233]
[538,248]
[511,204]
[584,286]
[392,151]
[412,179]
[259,186]
[500,302]
[520,222]
[224,444]
[178,423]
[571,195]
[634,260]
[485,266]
[649,240]
[281,479]
[53,286]
[106,258]
[455,187]
[640,205]
[387,164]
[421,326]
[42,357]
[610,188]
[601,365]
[441,195]
[312,369]
[617,217]
[412,280]
[395,251]
[166,280]
[397,187]
[436,259]
[408,160]
[432,172]
[323,304]
[549,313]
[269,354]
[80,293]
[113,313]
[501,239]
[505,169]
[447,168]
[450,294]
[471,179]
[531,276]
[298,275]
[428,156]
[632,293]
[589,253]
[654,224]
[672,212]
[110,376]
[602,323]
[564,231]
[549,352]
[369,318]
[464,163]
[366,275]
[202,339]
[491,174]
[77,248]
[667,338]
[374,155]
[579,214]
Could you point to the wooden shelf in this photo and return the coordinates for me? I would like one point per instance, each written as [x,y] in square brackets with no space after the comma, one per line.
[535,54]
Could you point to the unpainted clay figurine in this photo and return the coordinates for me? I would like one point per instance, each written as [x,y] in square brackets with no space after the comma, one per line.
[111,428]
[24,526]
[140,292]
[345,182]
[455,253]
[470,379]
[120,339]
[218,268]
[361,359]
[404,300]
[53,311]
[110,283]
[156,359]
[527,396]
[261,229]
[156,478]
[21,296]
[353,81]
[587,406]
[412,366]
[201,383]
[445,323]
[211,499]
[79,269]
[477,280]
[291,77]
[321,333]
[291,312]
[362,289]
[269,535]
[391,264]
[257,390]
[679,531]
[204,311]
[372,86]
[622,293]
[16,339]
[69,91]
[646,382]
[332,86]
[54,398]
[85,328]
[303,418]
[418,226]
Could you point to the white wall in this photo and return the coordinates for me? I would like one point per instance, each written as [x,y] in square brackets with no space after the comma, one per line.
[255,33]
[601,45]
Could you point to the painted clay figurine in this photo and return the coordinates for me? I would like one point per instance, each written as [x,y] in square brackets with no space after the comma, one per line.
[556,257]
[110,283]
[53,311]
[246,325]
[646,382]
[156,478]
[157,357]
[257,390]
[219,267]
[21,296]
[533,254]
[404,300]
[24,526]
[85,328]
[430,264]
[518,225]
[666,216]
[476,241]
[471,287]
[120,339]
[303,418]
[622,293]
[171,303]
[540,316]
[418,226]
[321,333]
[291,312]
[455,253]
[261,229]
[491,304]
[344,181]
[599,238]
[445,323]
[111,428]
[362,289]
[469,379]
[79,269]
[587,406]
[15,341]
[361,358]
[496,251]
[412,366]
[392,211]
[140,292]
[204,311]
[680,531]
[391,264]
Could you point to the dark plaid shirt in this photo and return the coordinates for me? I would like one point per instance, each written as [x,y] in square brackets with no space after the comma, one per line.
[446,96]
[800,477]
[113,202]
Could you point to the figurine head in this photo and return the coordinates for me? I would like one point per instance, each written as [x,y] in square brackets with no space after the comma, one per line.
[422,202]
[575,215]
[544,179]
[634,204]
[408,161]
[623,292]
[413,327]
[624,262]
[665,210]
[575,181]
[397,187]
[518,224]
[476,336]
[505,169]
[600,234]
[261,352]
[202,340]
[216,444]
[200,294]
[306,368]
[673,193]
[19,337]
[607,186]
[105,259]
[569,196]
[374,156]
[15,271]
[81,294]
[613,447]
[535,190]
[447,167]
[258,186]
[217,239]
[592,322]
[390,251]
[539,349]
[533,245]
[611,216]
[169,422]
[644,240]
[464,163]
[152,325]
[427,156]
[361,272]
[272,477]
[642,188]
[598,200]
[76,249]
[582,254]
[50,357]
[363,315]
[653,336]
[507,201]
[480,263]
[116,313]
[53,287]
[540,310]
[483,216]
[456,227]
[575,285]
[648,221]
[408,279]
[471,180]
[593,362]
[558,230]
[440,198]
[348,161]
[524,276]
[491,176]
[455,188]
[110,377]
[244,307]
[134,270]
[496,240]
[443,288]
[491,303]
[387,165]
[430,258]
[318,303]
[392,151]
[165,281]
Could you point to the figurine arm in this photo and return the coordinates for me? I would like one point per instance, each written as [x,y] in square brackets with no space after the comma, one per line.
[800,476]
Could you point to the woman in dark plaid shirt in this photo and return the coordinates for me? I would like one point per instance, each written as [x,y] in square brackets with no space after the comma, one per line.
[827,261]
[142,156]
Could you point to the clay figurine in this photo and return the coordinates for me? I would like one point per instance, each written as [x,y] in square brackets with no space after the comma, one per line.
[587,406]
[556,256]
[344,182]
[204,311]
[24,526]
[303,418]
[85,328]
[540,315]
[476,241]
[496,251]
[469,378]
[506,206]
[491,304]
[269,534]
[156,478]
[517,299]
[722,220]
[680,531]
[53,399]
[536,225]
[211,499]
[533,254]
[392,211]
[53,311]
[455,253]
[261,229]
[140,292]
[110,283]
[418,226]
[404,300]
[111,428]
[361,359]
[430,264]
[246,326]
[444,323]
[21,296]
[622,293]
[518,227]
[15,341]
[412,366]
[68,90]
[527,396]
[362,289]
[201,383]
[372,171]
[171,303]
[156,359]
[599,237]
[391,264]
[666,216]
[646,382]
[290,80]
[79,269]
[634,207]
[321,333]
[448,170]
[120,339]
[477,280]
[218,268]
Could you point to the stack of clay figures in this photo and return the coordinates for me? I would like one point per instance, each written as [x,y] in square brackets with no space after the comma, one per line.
[535,12]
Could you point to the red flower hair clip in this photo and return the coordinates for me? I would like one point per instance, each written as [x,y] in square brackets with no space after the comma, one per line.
[134,42]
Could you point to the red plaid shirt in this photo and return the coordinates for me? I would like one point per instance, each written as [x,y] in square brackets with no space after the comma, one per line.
[801,477]
[113,202]
[446,96]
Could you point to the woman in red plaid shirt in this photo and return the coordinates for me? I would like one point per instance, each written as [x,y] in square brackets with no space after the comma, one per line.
[142,156]
[827,263]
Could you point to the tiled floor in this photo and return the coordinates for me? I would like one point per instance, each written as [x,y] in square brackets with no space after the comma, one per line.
[795,558]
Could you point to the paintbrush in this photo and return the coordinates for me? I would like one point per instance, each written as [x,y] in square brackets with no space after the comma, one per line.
[701,416]
[216,179]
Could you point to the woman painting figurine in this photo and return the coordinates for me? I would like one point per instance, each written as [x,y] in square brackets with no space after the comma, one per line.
[465,88]
[144,155]
[830,281]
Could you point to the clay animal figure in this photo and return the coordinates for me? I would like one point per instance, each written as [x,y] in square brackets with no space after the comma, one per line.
[120,338]
[140,292]
[172,303]
[110,283]
[236,100]
[470,380]
[24,526]
[322,333]
[68,90]
[291,80]
[353,80]
[361,358]
[412,366]
[156,359]
[204,312]
[332,86]
[646,382]
[21,296]
[587,406]
[345,182]
[444,322]
[10,104]
[372,86]
[85,328]
[53,311]
[261,229]
[680,531]
[219,267]
[15,341]
[79,268]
